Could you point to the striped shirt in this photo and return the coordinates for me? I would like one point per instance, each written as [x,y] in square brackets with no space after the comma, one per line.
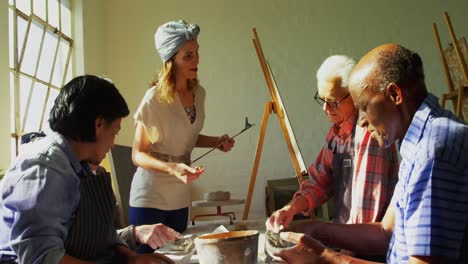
[431,197]
[374,174]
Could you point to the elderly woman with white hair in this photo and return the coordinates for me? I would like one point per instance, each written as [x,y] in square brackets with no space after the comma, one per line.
[168,124]
[351,166]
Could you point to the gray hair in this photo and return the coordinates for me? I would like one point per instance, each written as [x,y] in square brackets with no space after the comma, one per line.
[400,66]
[335,67]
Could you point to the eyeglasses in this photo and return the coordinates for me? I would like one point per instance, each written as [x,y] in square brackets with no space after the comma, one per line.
[331,104]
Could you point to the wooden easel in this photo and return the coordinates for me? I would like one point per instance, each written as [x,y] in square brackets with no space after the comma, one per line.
[455,69]
[276,106]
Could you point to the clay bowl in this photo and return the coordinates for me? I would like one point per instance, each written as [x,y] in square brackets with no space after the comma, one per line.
[274,244]
[236,247]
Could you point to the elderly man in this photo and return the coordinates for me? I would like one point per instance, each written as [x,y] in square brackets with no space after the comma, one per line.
[53,208]
[351,166]
[428,216]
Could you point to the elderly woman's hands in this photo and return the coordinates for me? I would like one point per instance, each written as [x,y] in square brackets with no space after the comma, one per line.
[155,235]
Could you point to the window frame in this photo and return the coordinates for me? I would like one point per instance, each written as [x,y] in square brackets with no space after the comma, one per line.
[18,122]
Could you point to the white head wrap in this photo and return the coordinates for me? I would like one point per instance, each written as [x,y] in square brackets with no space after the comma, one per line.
[172,35]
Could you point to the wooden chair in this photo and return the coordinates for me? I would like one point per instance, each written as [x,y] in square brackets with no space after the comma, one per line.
[122,170]
[279,192]
[454,59]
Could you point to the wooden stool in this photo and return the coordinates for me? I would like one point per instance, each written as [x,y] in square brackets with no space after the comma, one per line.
[218,204]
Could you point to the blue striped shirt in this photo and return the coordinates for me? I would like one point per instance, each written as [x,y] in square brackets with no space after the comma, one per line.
[431,197]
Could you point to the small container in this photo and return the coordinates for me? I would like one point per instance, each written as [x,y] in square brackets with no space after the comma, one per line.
[274,244]
[236,247]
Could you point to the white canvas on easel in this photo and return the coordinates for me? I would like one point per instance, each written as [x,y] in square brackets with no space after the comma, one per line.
[275,105]
[295,146]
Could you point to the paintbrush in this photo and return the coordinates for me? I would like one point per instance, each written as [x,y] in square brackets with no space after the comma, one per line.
[246,127]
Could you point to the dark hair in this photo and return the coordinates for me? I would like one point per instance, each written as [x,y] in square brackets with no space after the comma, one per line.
[401,66]
[80,102]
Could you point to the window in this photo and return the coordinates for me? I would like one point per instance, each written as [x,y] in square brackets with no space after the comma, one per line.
[40,62]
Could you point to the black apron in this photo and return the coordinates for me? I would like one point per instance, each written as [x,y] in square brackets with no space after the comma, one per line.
[92,235]
[342,167]
[342,186]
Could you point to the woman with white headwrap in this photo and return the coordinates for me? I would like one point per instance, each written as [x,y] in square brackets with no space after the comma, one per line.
[168,124]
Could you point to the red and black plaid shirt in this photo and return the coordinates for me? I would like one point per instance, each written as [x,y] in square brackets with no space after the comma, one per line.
[375,173]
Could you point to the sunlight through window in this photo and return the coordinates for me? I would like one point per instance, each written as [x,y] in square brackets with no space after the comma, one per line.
[40,49]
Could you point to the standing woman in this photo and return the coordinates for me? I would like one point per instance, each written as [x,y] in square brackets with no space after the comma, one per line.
[168,124]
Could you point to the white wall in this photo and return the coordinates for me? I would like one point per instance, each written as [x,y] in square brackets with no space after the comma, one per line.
[89,34]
